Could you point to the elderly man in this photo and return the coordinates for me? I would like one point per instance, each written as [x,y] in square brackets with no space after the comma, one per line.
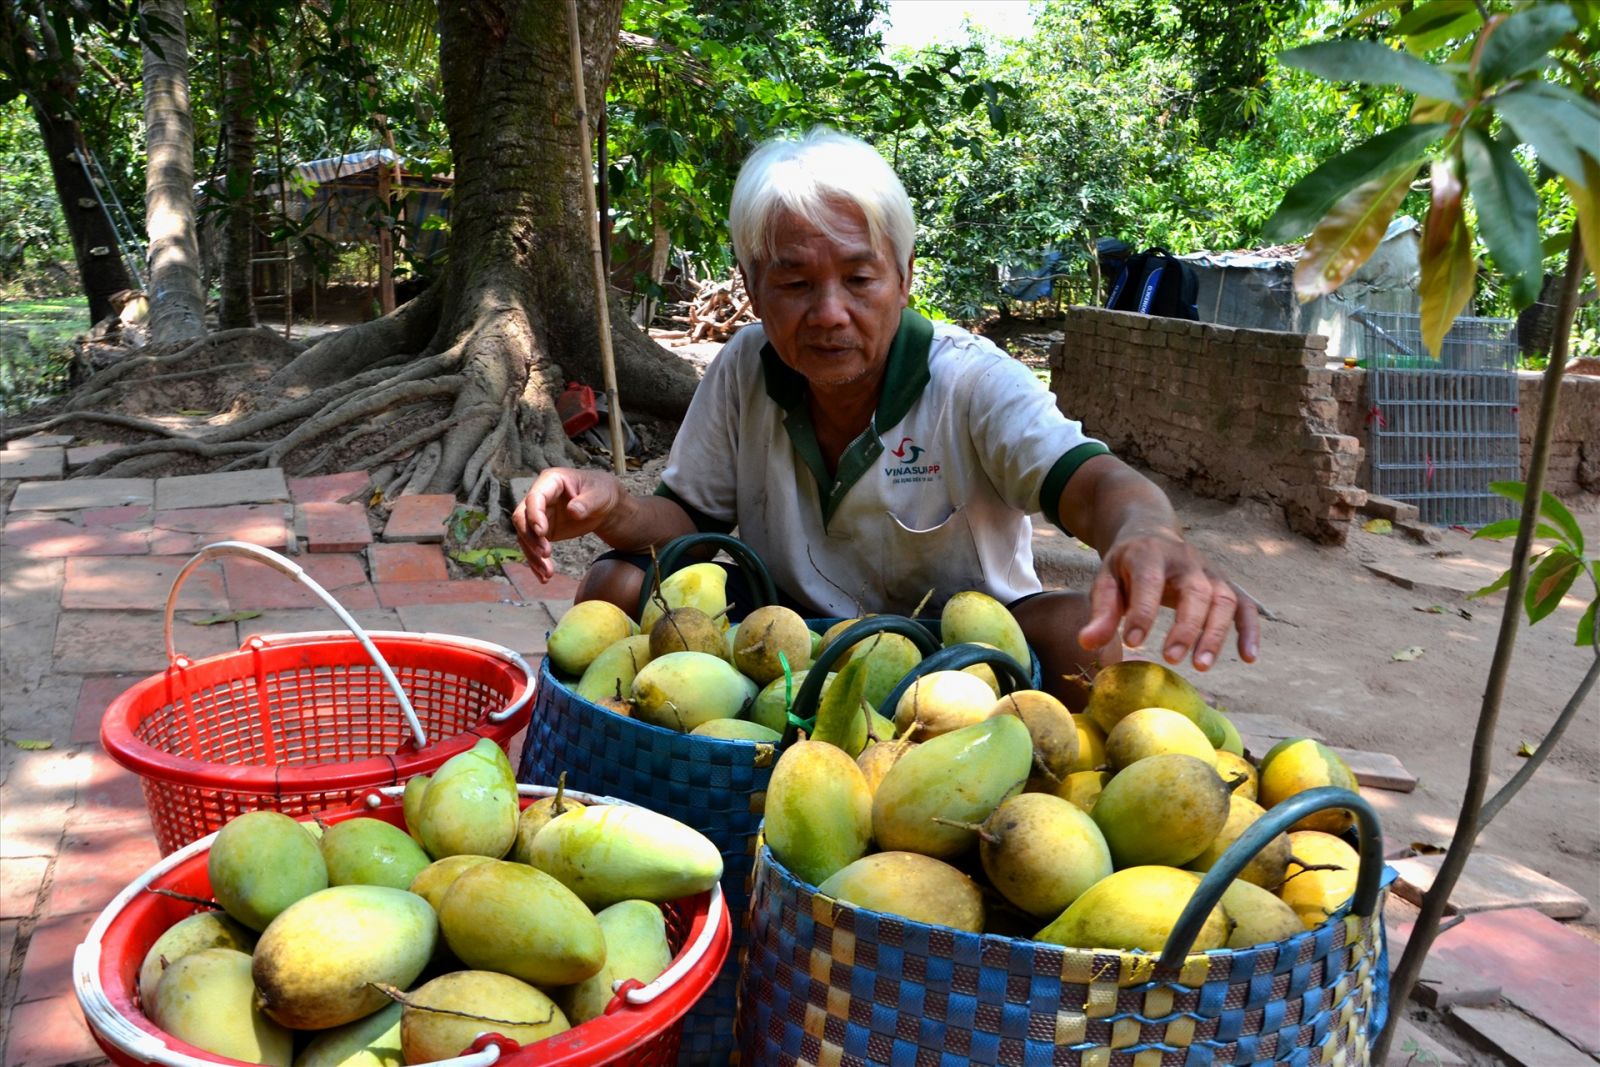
[869,456]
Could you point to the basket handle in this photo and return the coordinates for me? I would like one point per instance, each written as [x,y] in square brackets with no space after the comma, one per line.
[1007,671]
[1278,819]
[810,694]
[756,571]
[222,549]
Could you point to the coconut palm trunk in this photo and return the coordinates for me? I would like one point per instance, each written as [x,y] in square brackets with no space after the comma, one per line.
[177,297]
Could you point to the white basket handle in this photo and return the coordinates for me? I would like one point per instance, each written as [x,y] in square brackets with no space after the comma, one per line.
[220,549]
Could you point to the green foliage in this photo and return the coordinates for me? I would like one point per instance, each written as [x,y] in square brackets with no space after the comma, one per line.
[33,235]
[1486,79]
[35,348]
[1552,573]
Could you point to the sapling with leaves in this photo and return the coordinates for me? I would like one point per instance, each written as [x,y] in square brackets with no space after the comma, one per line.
[1504,95]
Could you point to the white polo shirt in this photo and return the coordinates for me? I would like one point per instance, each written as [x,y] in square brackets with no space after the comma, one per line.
[934,495]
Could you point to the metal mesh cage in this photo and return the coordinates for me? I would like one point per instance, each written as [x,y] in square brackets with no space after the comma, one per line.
[1443,429]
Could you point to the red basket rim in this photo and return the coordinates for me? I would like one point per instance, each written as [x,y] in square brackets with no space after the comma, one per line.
[127,710]
[100,959]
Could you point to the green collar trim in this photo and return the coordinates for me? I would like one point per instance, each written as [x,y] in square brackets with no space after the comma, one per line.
[906,375]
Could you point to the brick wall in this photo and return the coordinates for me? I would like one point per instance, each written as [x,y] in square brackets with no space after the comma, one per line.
[1573,473]
[1230,412]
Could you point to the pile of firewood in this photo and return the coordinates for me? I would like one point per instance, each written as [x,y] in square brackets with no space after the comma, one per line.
[716,311]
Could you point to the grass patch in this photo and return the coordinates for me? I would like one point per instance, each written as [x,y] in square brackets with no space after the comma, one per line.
[36,348]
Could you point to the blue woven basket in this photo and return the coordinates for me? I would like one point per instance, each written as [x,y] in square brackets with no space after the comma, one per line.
[828,983]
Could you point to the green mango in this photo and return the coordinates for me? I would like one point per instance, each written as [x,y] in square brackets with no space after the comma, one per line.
[1134,909]
[317,965]
[889,658]
[636,947]
[736,730]
[518,920]
[471,804]
[207,999]
[819,810]
[1221,732]
[447,1014]
[770,708]
[260,863]
[411,805]
[607,853]
[207,929]
[610,676]
[1162,810]
[912,885]
[365,851]
[973,617]
[681,690]
[958,777]
[373,1041]
[584,631]
[840,719]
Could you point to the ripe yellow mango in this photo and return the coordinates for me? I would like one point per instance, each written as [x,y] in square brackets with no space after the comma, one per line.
[442,1018]
[1152,731]
[207,929]
[610,675]
[876,759]
[681,690]
[766,633]
[1083,788]
[1297,764]
[1257,916]
[438,876]
[1091,746]
[819,810]
[1050,725]
[737,730]
[910,885]
[976,617]
[1239,774]
[942,701]
[317,964]
[699,585]
[584,631]
[1316,894]
[518,920]
[1269,865]
[207,999]
[1134,909]
[1122,688]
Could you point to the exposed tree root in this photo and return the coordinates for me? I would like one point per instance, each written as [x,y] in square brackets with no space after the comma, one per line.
[126,422]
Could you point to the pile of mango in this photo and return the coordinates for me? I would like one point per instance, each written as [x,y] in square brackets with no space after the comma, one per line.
[361,944]
[1011,815]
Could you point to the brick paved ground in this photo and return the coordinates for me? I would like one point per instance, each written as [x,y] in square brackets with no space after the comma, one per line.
[86,567]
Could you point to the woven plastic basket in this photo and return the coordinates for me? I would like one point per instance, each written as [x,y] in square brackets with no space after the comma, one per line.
[641,1028]
[304,722]
[828,983]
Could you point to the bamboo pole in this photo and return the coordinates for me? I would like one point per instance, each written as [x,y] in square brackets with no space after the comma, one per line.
[608,367]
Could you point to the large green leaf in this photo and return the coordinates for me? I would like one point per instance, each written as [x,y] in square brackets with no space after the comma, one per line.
[1586,625]
[1554,510]
[1549,581]
[1521,41]
[1559,130]
[1586,199]
[1371,63]
[1448,269]
[1310,198]
[1508,214]
[1350,232]
[1433,15]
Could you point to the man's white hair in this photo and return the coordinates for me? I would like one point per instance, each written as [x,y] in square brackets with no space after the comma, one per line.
[811,176]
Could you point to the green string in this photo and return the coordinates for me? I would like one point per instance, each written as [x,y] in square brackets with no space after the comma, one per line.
[808,725]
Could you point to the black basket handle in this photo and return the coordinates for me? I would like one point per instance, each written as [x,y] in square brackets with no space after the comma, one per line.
[1278,819]
[757,575]
[1007,671]
[810,694]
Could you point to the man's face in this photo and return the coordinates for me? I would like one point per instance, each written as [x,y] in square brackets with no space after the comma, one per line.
[830,305]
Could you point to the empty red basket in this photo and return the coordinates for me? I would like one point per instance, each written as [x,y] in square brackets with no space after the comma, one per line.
[304,722]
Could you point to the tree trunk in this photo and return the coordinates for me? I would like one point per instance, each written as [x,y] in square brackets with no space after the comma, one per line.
[235,297]
[177,298]
[455,391]
[101,270]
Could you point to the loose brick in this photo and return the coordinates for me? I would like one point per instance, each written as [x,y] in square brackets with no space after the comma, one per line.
[335,527]
[419,519]
[1489,882]
[407,563]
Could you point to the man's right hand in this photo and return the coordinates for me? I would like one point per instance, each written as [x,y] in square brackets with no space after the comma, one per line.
[564,503]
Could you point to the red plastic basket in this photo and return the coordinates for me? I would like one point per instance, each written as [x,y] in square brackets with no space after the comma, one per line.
[640,1029]
[305,722]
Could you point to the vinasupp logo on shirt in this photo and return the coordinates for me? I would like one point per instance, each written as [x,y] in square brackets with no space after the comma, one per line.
[909,466]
